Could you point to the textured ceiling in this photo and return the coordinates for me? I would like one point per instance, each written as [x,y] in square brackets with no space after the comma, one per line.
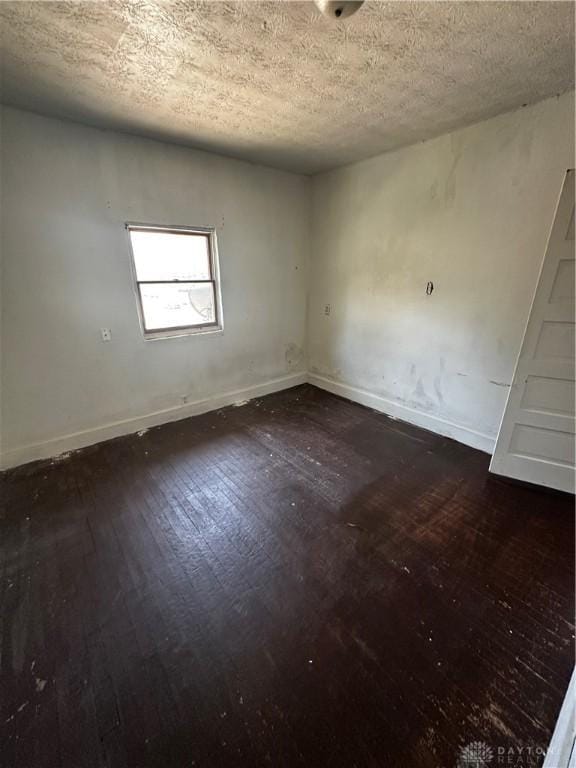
[276,82]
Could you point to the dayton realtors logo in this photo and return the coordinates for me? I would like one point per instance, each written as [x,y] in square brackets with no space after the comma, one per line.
[477,754]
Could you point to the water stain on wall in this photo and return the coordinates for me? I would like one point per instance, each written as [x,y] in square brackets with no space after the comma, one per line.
[450,184]
[293,356]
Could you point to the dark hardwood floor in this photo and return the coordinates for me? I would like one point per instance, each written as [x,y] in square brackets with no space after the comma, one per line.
[296,582]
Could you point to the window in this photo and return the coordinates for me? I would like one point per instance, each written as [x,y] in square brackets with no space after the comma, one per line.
[176,279]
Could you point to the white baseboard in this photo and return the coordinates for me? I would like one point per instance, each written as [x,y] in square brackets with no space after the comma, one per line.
[411,415]
[71,442]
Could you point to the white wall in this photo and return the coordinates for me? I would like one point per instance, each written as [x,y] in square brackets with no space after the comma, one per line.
[66,192]
[470,211]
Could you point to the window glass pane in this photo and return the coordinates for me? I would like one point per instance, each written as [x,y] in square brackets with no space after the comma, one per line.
[170,256]
[178,305]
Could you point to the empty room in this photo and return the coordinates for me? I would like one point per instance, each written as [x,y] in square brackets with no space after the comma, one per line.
[287,384]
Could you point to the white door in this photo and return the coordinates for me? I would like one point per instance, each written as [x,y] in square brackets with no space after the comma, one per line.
[536,438]
[562,750]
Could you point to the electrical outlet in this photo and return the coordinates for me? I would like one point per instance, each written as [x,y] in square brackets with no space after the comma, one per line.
[327,309]
[106,334]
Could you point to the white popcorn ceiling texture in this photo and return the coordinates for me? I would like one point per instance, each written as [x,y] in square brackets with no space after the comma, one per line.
[278,83]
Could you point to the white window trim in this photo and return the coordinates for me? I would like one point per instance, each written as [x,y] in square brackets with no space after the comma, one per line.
[201,330]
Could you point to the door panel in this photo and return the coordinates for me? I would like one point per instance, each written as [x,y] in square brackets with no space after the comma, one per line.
[546,394]
[536,438]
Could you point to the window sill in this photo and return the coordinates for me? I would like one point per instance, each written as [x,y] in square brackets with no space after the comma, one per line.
[216,330]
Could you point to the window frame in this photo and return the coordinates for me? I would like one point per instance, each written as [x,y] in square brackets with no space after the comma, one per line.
[216,326]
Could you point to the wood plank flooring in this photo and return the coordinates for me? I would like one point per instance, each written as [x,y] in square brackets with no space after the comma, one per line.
[296,582]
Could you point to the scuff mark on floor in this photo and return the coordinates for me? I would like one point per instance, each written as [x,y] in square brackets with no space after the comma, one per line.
[61,457]
[20,709]
[365,648]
